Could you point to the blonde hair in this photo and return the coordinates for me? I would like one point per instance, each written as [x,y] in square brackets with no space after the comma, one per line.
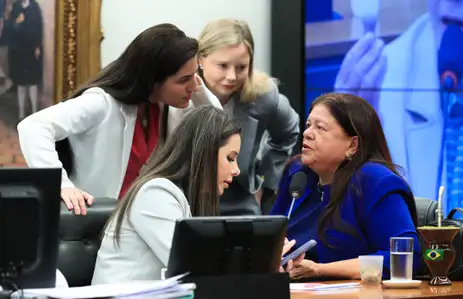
[230,32]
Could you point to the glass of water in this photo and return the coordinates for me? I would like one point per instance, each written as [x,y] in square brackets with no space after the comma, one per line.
[401,258]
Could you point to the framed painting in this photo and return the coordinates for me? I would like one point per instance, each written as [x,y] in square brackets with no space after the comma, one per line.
[47,49]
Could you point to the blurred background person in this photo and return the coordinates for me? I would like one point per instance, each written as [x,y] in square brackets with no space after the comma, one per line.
[423,125]
[25,52]
[5,12]
[226,64]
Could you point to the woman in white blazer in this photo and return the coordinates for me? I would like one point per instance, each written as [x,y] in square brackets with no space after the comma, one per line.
[114,122]
[183,179]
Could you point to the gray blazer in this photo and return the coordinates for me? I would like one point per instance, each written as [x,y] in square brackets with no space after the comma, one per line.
[272,113]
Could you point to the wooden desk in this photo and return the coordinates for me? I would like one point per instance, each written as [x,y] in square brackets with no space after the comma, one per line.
[371,292]
[332,38]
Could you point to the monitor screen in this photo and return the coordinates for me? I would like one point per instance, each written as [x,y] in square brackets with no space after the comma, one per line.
[404,57]
[29,219]
[213,246]
[19,207]
[395,55]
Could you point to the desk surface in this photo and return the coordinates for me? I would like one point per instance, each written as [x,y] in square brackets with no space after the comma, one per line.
[372,292]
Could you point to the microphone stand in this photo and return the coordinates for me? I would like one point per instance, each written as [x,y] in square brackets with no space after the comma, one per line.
[295,196]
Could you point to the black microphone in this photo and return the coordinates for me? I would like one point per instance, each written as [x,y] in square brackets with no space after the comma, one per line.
[296,188]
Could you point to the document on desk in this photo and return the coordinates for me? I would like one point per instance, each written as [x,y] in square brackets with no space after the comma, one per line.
[313,286]
[155,288]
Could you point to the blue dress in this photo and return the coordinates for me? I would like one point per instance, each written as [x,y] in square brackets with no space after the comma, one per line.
[379,214]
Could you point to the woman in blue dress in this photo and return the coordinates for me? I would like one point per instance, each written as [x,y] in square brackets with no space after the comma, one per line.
[354,200]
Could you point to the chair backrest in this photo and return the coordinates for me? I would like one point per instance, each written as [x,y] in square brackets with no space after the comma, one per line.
[426,210]
[80,239]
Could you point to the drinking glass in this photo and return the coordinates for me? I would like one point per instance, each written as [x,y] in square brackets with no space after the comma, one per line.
[401,258]
[371,269]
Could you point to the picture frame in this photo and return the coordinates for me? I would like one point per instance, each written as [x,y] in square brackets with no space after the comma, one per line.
[68,56]
[77,50]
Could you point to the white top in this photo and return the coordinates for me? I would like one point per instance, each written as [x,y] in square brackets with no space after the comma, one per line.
[100,131]
[146,236]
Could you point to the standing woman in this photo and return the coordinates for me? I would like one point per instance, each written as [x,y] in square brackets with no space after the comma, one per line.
[115,121]
[226,62]
[25,52]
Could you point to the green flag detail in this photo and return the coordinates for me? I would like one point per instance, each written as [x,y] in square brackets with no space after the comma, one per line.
[434,254]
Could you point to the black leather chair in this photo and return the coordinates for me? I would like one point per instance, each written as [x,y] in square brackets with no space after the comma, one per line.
[426,210]
[80,239]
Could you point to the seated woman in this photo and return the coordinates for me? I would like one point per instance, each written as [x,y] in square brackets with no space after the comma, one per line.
[354,200]
[183,178]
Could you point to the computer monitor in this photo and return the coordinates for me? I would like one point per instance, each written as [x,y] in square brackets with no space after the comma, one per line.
[29,219]
[213,246]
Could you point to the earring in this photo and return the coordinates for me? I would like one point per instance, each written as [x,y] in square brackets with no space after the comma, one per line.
[200,66]
[349,157]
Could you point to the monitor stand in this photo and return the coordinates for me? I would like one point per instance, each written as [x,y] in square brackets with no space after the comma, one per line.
[10,280]
[239,240]
[236,281]
[242,286]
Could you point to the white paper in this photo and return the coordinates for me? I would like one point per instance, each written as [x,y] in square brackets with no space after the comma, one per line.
[111,290]
[322,286]
[181,291]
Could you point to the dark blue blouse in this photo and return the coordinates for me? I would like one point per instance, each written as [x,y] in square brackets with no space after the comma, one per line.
[377,215]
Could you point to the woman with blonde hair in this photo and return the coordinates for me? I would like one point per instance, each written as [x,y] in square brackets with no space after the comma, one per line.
[226,64]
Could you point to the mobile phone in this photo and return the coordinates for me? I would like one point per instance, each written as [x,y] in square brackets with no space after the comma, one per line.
[304,248]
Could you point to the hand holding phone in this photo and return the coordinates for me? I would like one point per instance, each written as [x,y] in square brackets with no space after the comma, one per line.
[293,255]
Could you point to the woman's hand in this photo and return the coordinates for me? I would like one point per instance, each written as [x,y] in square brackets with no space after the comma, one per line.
[76,200]
[287,246]
[291,263]
[198,80]
[305,269]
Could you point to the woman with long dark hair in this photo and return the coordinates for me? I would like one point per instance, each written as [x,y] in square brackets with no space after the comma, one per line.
[355,199]
[184,178]
[112,124]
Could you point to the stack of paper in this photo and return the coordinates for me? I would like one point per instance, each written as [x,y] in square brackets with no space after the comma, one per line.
[311,286]
[162,289]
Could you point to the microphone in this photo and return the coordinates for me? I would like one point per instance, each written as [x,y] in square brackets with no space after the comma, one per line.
[450,57]
[296,188]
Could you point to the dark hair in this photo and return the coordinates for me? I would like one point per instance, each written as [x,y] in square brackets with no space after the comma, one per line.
[189,159]
[154,55]
[357,118]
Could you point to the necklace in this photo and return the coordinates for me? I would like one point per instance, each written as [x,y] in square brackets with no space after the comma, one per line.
[320,189]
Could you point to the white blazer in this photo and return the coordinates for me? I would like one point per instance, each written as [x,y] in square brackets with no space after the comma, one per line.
[410,107]
[100,132]
[145,237]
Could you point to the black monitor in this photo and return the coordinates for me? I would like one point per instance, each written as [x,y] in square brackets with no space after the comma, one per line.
[214,246]
[29,219]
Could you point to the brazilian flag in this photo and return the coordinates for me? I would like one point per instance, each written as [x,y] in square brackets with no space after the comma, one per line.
[434,254]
